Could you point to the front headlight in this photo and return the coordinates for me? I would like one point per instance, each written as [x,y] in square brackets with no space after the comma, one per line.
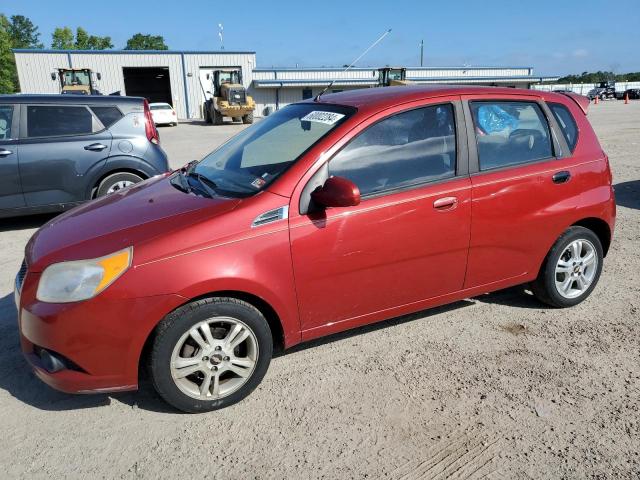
[82,279]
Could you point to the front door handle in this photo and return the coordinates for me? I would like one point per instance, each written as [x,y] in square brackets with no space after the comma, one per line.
[4,152]
[445,203]
[561,177]
[95,147]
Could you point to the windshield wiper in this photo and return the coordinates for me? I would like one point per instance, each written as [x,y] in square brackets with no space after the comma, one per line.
[180,182]
[208,184]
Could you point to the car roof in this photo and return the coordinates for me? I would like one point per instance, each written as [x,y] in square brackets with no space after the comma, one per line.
[69,99]
[159,103]
[380,98]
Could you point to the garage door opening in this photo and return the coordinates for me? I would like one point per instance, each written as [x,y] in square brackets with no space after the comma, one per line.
[153,83]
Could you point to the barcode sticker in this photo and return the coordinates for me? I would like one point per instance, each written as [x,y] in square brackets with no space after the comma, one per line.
[328,118]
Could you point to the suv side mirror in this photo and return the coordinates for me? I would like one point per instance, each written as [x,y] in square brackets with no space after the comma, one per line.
[337,192]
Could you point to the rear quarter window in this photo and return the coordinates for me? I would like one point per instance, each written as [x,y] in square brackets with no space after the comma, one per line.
[567,123]
[510,133]
[107,115]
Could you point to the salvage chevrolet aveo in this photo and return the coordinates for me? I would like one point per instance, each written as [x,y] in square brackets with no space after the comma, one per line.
[332,213]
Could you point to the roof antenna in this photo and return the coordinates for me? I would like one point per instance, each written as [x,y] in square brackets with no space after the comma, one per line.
[317,99]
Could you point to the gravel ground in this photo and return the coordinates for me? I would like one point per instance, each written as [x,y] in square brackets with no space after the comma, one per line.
[492,387]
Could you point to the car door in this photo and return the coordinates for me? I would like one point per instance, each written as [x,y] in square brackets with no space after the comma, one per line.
[61,146]
[525,185]
[406,241]
[11,195]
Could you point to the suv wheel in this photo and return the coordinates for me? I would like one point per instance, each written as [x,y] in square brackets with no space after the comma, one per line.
[210,354]
[117,181]
[571,270]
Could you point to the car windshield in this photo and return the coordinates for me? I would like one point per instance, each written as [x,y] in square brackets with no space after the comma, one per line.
[254,158]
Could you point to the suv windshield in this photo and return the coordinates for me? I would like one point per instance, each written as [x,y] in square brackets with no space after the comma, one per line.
[256,157]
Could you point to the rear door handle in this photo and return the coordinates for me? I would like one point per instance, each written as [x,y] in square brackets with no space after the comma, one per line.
[561,177]
[445,203]
[95,147]
[4,152]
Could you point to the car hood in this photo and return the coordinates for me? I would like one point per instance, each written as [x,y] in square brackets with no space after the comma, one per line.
[122,219]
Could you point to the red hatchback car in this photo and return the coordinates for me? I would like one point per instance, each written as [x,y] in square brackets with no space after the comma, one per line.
[330,214]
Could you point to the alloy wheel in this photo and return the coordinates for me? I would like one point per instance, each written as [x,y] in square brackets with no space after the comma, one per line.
[576,268]
[214,358]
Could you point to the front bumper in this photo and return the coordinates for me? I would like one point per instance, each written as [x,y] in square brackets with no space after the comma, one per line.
[100,340]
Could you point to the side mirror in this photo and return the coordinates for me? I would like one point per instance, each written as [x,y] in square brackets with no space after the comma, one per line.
[99,76]
[53,76]
[337,192]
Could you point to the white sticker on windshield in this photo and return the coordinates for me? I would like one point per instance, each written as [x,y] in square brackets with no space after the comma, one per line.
[328,118]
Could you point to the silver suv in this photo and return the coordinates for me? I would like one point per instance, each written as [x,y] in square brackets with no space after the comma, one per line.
[57,151]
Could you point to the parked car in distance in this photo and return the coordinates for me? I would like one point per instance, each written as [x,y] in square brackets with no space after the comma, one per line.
[604,91]
[632,93]
[163,114]
[57,151]
[329,214]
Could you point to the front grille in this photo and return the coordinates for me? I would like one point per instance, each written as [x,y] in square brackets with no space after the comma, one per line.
[237,96]
[21,274]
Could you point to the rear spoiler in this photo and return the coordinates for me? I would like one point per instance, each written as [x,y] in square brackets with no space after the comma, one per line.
[582,101]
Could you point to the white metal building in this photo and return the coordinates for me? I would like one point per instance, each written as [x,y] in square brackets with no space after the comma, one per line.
[180,77]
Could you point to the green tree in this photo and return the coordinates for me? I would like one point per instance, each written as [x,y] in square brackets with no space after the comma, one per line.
[62,39]
[146,42]
[24,34]
[8,77]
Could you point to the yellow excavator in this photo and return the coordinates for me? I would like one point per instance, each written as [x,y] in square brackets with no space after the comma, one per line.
[228,99]
[76,81]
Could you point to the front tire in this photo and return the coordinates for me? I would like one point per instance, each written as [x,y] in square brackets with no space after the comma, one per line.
[571,270]
[117,181]
[217,117]
[210,354]
[248,118]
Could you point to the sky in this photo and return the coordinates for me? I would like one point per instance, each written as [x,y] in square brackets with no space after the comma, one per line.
[553,37]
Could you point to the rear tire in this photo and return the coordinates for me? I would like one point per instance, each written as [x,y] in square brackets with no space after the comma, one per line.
[248,118]
[206,113]
[195,363]
[117,181]
[571,269]
[217,117]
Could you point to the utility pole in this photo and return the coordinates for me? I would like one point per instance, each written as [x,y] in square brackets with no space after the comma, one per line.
[421,51]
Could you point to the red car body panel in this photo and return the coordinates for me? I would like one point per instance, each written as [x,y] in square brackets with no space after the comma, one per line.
[319,273]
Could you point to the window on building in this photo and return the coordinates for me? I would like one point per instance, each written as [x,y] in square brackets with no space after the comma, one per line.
[6,116]
[406,149]
[108,115]
[56,120]
[567,123]
[307,93]
[510,133]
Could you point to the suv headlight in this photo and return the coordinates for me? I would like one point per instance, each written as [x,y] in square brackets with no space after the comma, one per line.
[82,279]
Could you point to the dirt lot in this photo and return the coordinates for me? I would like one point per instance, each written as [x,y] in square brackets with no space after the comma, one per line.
[493,387]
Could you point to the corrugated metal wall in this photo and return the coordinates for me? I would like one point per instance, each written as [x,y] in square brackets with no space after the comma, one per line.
[34,71]
[583,88]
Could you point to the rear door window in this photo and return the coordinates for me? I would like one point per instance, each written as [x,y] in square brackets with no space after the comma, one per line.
[6,116]
[510,133]
[406,149]
[567,123]
[107,115]
[60,120]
